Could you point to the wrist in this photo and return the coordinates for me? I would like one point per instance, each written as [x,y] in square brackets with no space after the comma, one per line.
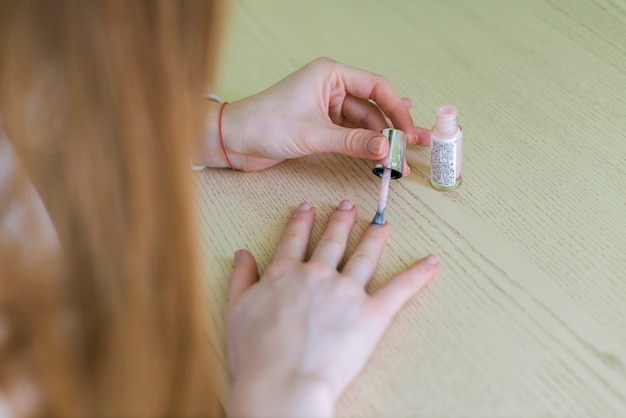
[303,396]
[208,150]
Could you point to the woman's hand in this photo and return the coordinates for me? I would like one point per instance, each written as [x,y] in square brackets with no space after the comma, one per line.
[297,336]
[323,107]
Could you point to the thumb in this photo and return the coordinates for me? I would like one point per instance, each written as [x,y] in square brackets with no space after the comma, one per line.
[355,142]
[243,276]
[404,285]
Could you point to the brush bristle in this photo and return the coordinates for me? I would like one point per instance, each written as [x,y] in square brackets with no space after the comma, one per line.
[379,218]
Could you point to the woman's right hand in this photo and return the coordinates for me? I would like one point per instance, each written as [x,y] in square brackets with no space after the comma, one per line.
[299,334]
[324,106]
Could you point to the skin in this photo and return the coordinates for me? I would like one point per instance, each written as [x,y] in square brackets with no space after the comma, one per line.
[325,106]
[299,334]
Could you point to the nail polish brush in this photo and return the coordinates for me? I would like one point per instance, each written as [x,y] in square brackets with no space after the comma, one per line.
[389,168]
[379,218]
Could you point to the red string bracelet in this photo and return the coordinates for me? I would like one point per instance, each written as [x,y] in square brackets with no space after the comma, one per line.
[222,137]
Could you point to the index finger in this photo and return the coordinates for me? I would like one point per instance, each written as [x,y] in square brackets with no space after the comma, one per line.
[363,262]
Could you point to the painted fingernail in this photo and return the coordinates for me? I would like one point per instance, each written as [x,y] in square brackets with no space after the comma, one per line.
[346,205]
[304,206]
[431,260]
[375,145]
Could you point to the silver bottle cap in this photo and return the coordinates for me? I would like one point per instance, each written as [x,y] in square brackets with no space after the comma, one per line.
[395,158]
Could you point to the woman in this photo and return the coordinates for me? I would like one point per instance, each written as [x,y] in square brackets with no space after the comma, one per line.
[101,306]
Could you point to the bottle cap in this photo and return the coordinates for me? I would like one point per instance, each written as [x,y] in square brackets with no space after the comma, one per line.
[395,158]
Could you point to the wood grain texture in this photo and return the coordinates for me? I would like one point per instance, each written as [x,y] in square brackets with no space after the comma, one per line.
[528,315]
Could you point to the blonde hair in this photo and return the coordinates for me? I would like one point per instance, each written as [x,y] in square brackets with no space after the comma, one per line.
[101,101]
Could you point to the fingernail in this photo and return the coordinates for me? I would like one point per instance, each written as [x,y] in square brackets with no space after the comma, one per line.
[431,260]
[346,205]
[237,257]
[376,144]
[304,206]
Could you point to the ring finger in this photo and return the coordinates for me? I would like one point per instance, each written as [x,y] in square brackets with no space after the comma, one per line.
[295,239]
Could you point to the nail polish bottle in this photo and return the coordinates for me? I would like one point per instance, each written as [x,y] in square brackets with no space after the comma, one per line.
[446,150]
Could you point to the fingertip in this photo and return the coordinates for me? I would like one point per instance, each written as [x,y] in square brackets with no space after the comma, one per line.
[358,143]
[345,205]
[409,130]
[378,146]
[405,285]
[244,274]
[237,257]
[406,170]
[426,266]
[422,136]
[431,260]
[383,229]
[242,257]
[407,102]
[304,207]
[426,269]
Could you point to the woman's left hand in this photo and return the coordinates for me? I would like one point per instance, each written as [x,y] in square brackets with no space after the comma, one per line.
[298,334]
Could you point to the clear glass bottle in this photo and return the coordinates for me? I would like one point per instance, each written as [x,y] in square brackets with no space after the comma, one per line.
[446,150]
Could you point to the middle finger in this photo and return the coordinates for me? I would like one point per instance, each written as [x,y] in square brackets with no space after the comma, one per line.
[332,245]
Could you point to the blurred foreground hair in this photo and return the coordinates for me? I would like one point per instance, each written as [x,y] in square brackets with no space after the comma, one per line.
[101,101]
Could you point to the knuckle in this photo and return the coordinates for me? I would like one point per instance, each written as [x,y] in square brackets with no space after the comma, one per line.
[365,259]
[291,236]
[344,286]
[323,60]
[316,269]
[330,240]
[407,284]
[278,267]
[381,79]
[350,141]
